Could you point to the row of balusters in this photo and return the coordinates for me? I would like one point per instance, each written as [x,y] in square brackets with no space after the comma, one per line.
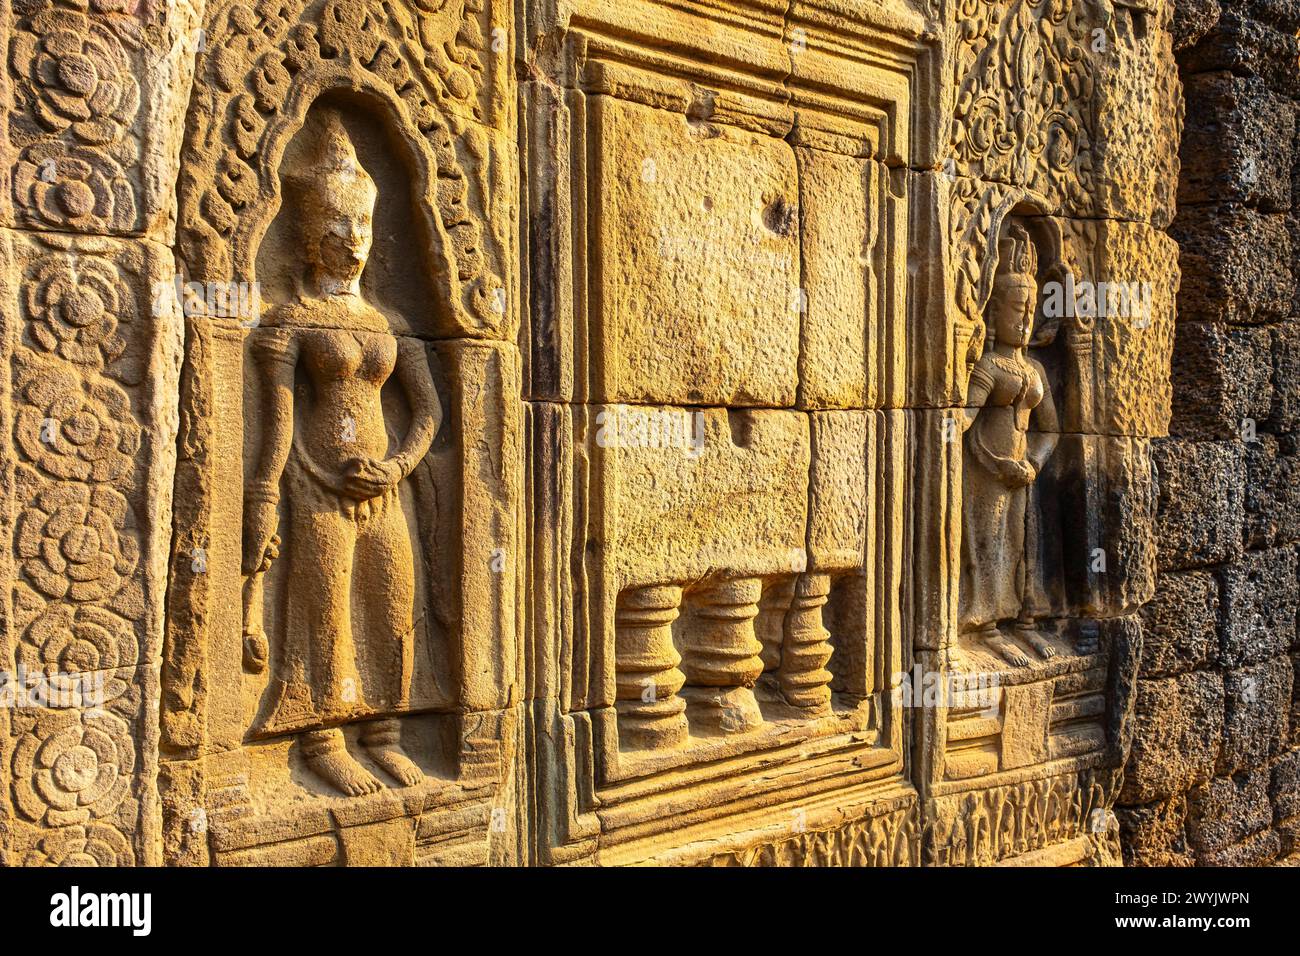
[732,633]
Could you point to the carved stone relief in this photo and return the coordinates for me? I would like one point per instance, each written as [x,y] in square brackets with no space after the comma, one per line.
[369,510]
[586,432]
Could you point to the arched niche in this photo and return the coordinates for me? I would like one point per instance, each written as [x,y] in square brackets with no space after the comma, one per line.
[240,128]
[402,277]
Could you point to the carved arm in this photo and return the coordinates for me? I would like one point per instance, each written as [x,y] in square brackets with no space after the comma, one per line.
[277,356]
[426,410]
[977,393]
[1047,426]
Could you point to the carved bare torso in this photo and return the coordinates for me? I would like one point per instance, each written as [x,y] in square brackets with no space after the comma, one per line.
[346,368]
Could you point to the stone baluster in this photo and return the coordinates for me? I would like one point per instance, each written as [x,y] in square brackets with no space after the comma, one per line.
[770,623]
[803,677]
[647,678]
[722,658]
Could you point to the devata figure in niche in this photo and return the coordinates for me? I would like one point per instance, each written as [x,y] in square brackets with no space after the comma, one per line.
[346,651]
[1008,391]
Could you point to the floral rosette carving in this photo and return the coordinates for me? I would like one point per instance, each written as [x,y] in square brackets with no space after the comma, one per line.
[95,844]
[78,189]
[75,76]
[79,649]
[74,309]
[71,430]
[72,543]
[73,767]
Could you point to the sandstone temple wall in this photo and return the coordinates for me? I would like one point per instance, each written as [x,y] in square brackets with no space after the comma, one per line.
[1213,776]
[688,432]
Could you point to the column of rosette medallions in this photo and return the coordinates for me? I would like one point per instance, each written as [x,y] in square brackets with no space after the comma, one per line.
[689,663]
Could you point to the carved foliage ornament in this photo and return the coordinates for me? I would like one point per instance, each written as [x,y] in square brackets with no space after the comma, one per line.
[93,845]
[73,767]
[1024,80]
[265,64]
[1022,130]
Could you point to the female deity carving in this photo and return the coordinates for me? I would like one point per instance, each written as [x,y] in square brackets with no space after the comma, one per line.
[1010,432]
[329,469]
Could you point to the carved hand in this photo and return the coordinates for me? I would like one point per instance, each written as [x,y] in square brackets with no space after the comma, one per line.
[261,543]
[365,478]
[1017,474]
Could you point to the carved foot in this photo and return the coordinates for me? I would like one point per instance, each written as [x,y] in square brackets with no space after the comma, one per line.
[1039,643]
[1005,648]
[382,741]
[329,759]
[396,764]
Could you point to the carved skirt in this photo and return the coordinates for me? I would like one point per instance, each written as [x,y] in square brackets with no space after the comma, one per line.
[346,646]
[993,541]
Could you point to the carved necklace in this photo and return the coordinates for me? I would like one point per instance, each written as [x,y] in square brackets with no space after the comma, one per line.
[1014,366]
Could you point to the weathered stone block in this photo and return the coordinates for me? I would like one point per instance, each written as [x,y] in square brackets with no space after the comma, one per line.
[854,282]
[1228,810]
[857,488]
[1097,501]
[1261,849]
[1237,146]
[1137,156]
[1256,723]
[1202,500]
[696,289]
[1260,597]
[1191,20]
[1221,378]
[1177,738]
[1129,272]
[1284,414]
[1153,834]
[688,492]
[1181,624]
[1246,46]
[1284,786]
[1272,491]
[1236,264]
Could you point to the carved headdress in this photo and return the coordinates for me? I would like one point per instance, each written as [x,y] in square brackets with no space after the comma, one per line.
[335,184]
[1017,257]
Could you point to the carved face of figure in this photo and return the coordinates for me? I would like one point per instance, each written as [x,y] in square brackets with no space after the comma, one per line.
[339,209]
[1014,300]
[344,247]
